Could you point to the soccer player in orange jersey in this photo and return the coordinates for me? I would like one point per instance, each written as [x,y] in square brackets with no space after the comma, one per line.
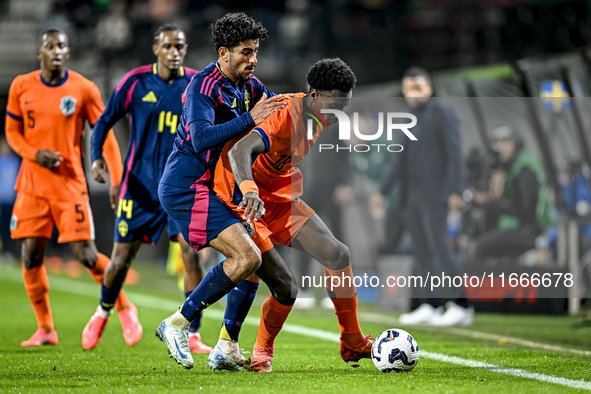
[45,119]
[266,191]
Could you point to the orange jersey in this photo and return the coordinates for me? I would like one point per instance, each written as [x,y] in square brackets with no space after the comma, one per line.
[274,171]
[41,116]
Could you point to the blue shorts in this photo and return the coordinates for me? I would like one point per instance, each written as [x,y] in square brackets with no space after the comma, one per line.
[198,212]
[142,221]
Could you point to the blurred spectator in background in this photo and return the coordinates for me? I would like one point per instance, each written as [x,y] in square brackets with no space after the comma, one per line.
[474,221]
[113,33]
[575,181]
[432,174]
[517,200]
[9,167]
[577,197]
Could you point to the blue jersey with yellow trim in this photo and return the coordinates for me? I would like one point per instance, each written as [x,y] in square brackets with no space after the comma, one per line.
[154,107]
[214,111]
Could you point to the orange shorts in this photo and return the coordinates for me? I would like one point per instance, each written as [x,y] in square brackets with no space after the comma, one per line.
[280,225]
[34,217]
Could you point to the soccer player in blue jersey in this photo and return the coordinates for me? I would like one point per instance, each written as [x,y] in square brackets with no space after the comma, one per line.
[222,101]
[151,95]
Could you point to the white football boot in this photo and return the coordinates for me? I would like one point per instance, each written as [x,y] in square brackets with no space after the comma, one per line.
[226,355]
[177,342]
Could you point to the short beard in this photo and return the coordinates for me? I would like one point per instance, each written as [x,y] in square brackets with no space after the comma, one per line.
[241,77]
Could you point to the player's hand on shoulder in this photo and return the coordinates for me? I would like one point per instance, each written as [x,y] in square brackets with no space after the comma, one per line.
[266,106]
[48,158]
[254,208]
[99,170]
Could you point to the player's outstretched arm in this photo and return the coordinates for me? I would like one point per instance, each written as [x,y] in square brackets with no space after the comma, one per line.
[240,157]
[205,134]
[112,166]
[99,171]
[112,156]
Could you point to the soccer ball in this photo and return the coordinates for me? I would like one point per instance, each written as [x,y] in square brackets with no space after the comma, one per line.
[395,350]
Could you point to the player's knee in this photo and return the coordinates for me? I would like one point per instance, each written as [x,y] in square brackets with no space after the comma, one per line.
[191,260]
[289,294]
[86,253]
[120,262]
[87,260]
[285,290]
[337,255]
[193,265]
[251,260]
[31,259]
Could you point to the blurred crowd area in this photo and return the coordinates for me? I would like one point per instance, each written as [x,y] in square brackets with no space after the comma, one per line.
[378,38]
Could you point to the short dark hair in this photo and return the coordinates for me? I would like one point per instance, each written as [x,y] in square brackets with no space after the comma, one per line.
[165,28]
[331,74]
[416,72]
[234,28]
[52,30]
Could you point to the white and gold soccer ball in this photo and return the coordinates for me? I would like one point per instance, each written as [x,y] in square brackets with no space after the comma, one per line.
[395,350]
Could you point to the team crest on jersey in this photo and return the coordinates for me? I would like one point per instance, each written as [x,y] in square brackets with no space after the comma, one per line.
[123,228]
[68,105]
[247,100]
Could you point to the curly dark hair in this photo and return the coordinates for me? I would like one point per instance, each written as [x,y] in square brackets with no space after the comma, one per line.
[331,74]
[234,28]
[165,28]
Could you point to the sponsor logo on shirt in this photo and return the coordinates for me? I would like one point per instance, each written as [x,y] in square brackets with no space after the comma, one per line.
[150,97]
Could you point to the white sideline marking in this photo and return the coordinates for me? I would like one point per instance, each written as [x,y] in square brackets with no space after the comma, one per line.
[379,319]
[88,290]
[518,341]
[576,384]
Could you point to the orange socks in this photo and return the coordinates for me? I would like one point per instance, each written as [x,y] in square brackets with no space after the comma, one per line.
[344,298]
[37,287]
[273,315]
[97,274]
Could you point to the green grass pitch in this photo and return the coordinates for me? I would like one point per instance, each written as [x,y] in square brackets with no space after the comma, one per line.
[499,353]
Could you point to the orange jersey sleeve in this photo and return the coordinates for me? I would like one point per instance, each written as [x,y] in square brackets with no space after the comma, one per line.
[94,109]
[112,156]
[224,182]
[14,123]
